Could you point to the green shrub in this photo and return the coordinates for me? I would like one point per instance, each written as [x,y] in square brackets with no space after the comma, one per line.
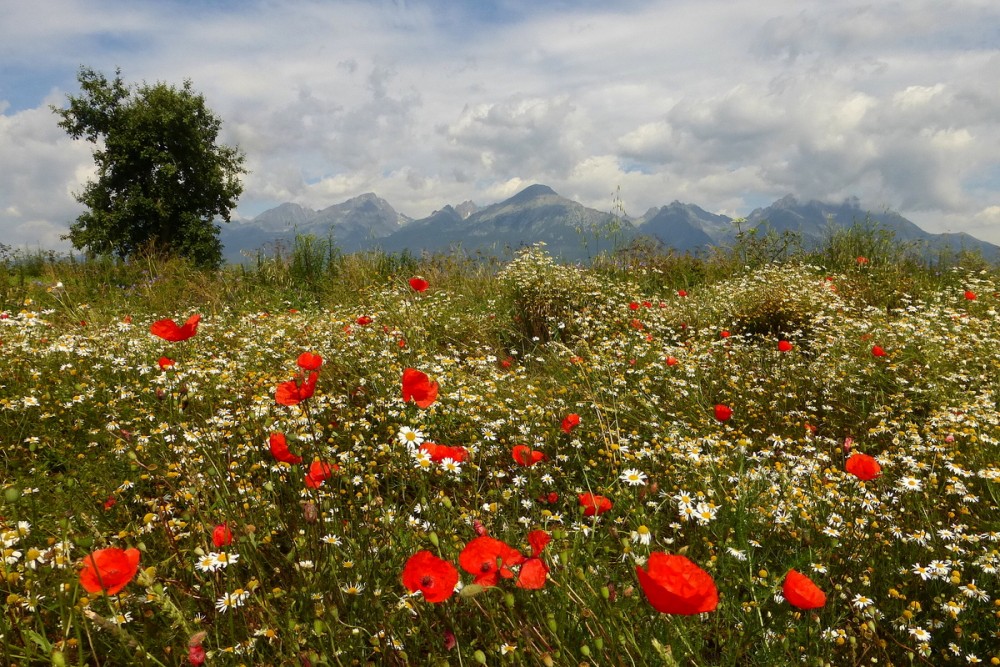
[544,295]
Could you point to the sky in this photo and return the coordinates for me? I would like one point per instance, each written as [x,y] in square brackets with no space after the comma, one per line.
[726,104]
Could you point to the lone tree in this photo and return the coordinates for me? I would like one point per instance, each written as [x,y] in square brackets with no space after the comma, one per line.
[161,178]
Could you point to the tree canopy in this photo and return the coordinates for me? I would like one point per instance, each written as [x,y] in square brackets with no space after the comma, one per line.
[162,179]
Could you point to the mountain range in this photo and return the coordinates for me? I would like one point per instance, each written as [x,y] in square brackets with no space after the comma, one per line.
[570,230]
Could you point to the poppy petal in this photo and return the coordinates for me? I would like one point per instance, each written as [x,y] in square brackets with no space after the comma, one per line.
[532,575]
[109,570]
[675,585]
[801,592]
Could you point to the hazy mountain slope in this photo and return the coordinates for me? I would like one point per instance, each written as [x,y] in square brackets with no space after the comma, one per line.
[570,230]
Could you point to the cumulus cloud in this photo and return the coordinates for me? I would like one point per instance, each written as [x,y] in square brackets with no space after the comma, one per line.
[428,102]
[43,169]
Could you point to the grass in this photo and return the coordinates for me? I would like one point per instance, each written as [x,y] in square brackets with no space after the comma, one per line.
[102,447]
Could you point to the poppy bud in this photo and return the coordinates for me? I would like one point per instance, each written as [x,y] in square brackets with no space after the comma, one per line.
[222,536]
[196,655]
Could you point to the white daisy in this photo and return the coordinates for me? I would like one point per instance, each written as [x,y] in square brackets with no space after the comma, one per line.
[633,477]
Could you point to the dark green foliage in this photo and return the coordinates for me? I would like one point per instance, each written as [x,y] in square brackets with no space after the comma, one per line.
[161,177]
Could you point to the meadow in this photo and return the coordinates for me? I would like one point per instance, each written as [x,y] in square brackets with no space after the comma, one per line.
[762,457]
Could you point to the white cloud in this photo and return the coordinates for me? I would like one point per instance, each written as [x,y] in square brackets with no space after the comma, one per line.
[428,103]
[43,168]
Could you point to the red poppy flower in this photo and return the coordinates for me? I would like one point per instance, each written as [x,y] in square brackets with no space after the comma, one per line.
[675,585]
[292,393]
[527,456]
[419,284]
[862,466]
[168,329]
[165,363]
[434,577]
[877,351]
[594,504]
[363,321]
[418,388]
[784,346]
[318,473]
[724,334]
[672,361]
[801,592]
[279,450]
[970,295]
[222,536]
[862,259]
[550,499]
[570,422]
[109,570]
[538,539]
[723,412]
[439,453]
[682,292]
[309,361]
[488,559]
[633,305]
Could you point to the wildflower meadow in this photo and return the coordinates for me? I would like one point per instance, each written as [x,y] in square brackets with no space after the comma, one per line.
[316,459]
